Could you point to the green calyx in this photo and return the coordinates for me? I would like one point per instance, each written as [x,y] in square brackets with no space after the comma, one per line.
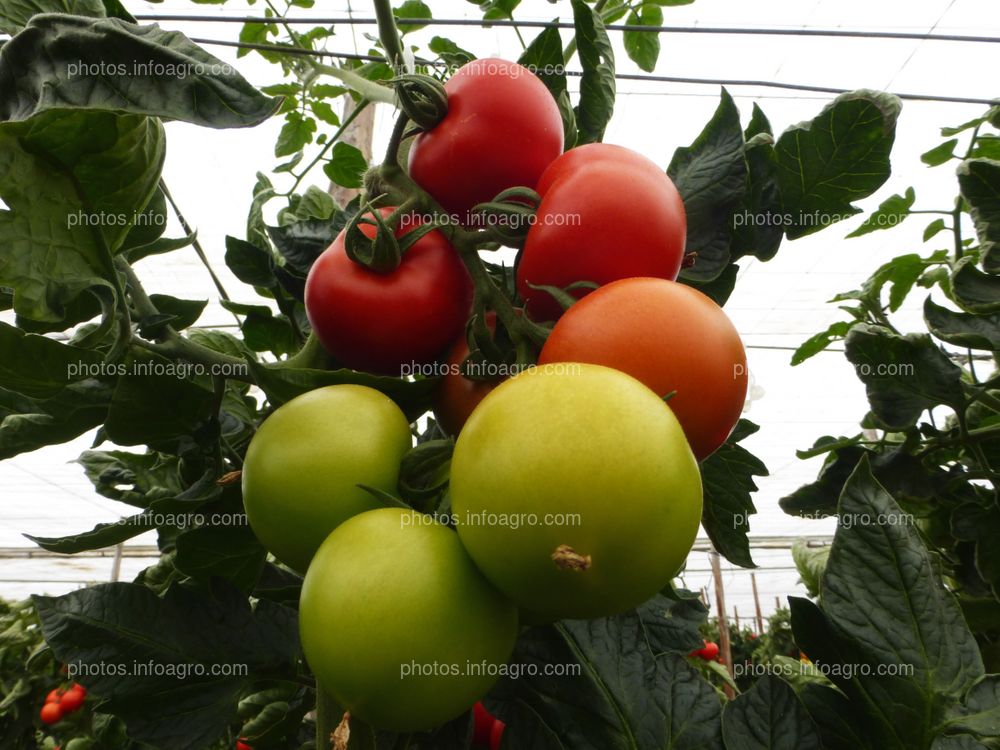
[384,252]
[422,98]
[508,217]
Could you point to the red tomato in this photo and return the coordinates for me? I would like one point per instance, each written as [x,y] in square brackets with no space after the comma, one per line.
[71,700]
[710,651]
[54,695]
[607,213]
[482,723]
[496,734]
[456,396]
[50,713]
[502,130]
[241,745]
[672,338]
[382,322]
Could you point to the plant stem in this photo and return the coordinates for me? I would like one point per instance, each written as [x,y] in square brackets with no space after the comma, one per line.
[374,92]
[174,345]
[355,111]
[389,35]
[196,244]
[392,151]
[328,716]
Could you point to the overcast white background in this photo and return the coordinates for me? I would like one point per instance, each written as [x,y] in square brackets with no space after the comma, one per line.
[775,306]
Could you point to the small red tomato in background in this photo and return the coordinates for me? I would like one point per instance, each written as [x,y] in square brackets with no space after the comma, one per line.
[670,337]
[72,699]
[496,734]
[482,724]
[607,213]
[54,695]
[382,322]
[456,395]
[241,745]
[710,651]
[50,713]
[502,130]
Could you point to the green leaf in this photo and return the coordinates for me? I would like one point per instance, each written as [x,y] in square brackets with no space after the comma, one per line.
[101,536]
[186,636]
[643,47]
[980,712]
[819,499]
[769,716]
[597,84]
[727,477]
[15,14]
[157,402]
[300,243]
[933,229]
[544,57]
[810,562]
[324,112]
[840,156]
[295,134]
[231,552]
[74,183]
[313,204]
[632,692]
[263,331]
[249,263]
[718,289]
[40,367]
[182,312]
[832,713]
[450,52]
[757,224]
[979,180]
[282,384]
[946,132]
[973,290]
[881,590]
[903,375]
[820,341]
[112,65]
[987,147]
[710,175]
[963,329]
[30,424]
[346,166]
[889,214]
[940,154]
[412,9]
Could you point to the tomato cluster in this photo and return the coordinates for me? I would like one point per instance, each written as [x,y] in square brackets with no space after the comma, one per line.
[59,703]
[574,486]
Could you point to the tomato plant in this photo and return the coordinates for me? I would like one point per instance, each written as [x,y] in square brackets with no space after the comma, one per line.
[87,350]
[686,346]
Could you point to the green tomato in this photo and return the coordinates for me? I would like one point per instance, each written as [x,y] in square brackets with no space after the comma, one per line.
[399,625]
[304,465]
[575,491]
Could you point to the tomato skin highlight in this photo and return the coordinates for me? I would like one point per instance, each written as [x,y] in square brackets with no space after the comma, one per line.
[606,214]
[380,323]
[457,396]
[669,336]
[305,462]
[389,594]
[577,442]
[503,128]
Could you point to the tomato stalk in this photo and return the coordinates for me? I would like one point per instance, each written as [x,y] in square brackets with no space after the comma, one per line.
[328,718]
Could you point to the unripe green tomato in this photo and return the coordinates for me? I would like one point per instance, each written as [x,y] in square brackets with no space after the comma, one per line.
[304,465]
[391,608]
[578,456]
